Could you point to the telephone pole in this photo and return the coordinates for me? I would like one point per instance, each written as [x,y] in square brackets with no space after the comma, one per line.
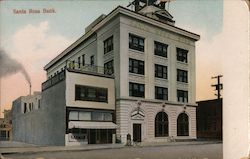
[218,86]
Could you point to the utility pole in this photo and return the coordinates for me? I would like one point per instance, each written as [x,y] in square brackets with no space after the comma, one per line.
[218,86]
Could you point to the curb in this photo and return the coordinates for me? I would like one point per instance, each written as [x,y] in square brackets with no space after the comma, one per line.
[57,150]
[103,148]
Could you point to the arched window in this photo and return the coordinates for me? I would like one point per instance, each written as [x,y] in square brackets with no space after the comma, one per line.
[161,124]
[182,125]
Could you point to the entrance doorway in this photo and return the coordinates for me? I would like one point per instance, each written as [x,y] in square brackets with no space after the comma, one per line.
[137,132]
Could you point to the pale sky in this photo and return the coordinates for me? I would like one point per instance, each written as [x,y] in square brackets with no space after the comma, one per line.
[35,39]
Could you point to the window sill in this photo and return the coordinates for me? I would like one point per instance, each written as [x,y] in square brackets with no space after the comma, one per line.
[182,83]
[182,63]
[108,53]
[135,74]
[137,51]
[160,57]
[161,79]
[162,137]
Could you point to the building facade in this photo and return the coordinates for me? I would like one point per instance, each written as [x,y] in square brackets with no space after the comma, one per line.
[6,126]
[131,74]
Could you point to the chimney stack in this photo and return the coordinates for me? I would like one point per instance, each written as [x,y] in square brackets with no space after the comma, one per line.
[30,89]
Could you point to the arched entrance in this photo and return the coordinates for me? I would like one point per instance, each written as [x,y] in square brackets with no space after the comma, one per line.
[161,124]
[182,125]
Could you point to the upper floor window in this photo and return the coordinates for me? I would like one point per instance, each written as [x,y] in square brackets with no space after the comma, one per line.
[182,76]
[161,71]
[136,66]
[161,49]
[136,42]
[182,55]
[83,60]
[136,89]
[108,45]
[92,60]
[25,108]
[109,68]
[73,65]
[182,96]
[161,93]
[88,93]
[79,62]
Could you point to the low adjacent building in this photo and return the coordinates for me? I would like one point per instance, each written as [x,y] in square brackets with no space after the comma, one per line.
[209,119]
[6,126]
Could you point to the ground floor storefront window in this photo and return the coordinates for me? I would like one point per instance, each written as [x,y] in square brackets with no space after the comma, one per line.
[91,136]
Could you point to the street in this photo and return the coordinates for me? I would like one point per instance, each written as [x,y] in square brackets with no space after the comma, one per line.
[202,151]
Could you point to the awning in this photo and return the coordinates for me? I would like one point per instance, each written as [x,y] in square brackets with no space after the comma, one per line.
[92,125]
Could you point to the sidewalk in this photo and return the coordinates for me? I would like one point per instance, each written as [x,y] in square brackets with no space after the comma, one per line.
[28,148]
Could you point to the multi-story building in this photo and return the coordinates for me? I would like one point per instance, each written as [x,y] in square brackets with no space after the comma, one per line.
[132,72]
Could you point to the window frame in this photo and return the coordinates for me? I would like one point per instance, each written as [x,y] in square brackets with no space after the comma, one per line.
[83,93]
[108,44]
[136,92]
[182,55]
[136,42]
[183,124]
[162,95]
[159,71]
[182,94]
[109,67]
[182,75]
[92,60]
[83,60]
[106,116]
[136,66]
[159,49]
[161,125]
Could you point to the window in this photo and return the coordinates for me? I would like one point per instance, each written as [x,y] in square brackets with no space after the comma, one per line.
[108,45]
[90,116]
[30,108]
[136,90]
[101,116]
[161,49]
[25,108]
[92,60]
[87,93]
[182,125]
[161,71]
[136,66]
[109,68]
[84,115]
[161,124]
[182,55]
[73,64]
[136,42]
[182,76]
[182,96]
[83,60]
[73,115]
[161,93]
[39,103]
[79,62]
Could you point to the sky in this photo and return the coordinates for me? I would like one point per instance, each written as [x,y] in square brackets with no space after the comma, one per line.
[35,39]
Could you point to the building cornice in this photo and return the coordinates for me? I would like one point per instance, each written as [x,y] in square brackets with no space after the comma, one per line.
[156,101]
[113,14]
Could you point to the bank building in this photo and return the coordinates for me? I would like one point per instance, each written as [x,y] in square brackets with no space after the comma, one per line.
[131,74]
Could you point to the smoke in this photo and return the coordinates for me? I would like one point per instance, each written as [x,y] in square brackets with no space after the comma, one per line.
[9,66]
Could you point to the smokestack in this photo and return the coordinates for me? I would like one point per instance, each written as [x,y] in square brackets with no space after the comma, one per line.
[9,66]
[30,89]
